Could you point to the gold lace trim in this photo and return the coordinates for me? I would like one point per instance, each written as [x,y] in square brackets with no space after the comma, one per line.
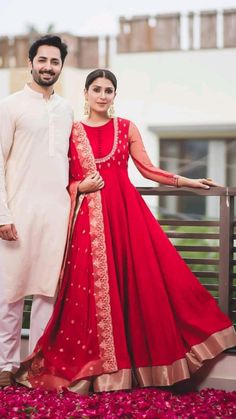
[114,147]
[99,259]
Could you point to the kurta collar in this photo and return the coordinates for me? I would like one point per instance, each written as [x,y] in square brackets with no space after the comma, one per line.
[37,95]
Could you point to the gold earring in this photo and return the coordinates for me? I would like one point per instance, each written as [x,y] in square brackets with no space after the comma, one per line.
[86,108]
[111,111]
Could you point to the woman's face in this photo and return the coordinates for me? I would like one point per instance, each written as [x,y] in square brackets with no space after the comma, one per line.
[100,95]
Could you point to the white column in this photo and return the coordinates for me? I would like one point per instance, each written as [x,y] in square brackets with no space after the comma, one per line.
[216,169]
[152,144]
[101,51]
[184,31]
[220,29]
[196,31]
[112,50]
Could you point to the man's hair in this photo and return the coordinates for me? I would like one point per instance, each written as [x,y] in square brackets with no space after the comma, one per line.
[51,40]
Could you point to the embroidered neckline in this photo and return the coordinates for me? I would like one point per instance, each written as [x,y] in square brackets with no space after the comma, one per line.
[97,126]
[115,142]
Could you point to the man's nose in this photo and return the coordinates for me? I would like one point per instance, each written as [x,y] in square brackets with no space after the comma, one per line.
[47,65]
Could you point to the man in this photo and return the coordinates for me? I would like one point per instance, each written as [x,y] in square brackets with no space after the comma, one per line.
[35,126]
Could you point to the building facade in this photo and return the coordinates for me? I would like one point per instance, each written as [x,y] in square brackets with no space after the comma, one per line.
[176,81]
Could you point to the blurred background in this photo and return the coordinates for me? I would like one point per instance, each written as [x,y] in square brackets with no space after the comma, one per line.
[175,63]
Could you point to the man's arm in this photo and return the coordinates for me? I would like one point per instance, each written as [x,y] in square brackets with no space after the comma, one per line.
[7,129]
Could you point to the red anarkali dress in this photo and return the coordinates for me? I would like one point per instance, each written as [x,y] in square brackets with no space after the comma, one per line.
[129,310]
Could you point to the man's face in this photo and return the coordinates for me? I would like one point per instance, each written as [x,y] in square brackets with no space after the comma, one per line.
[46,66]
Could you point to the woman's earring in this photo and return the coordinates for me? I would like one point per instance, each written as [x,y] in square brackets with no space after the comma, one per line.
[111,111]
[86,108]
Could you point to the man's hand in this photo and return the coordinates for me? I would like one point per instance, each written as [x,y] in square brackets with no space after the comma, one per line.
[8,232]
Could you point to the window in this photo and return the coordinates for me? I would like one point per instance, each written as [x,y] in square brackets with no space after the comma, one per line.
[187,158]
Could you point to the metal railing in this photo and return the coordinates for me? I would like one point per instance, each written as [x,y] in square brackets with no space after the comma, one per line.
[207,246]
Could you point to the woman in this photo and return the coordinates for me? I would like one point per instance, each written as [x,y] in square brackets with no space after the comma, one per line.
[129,310]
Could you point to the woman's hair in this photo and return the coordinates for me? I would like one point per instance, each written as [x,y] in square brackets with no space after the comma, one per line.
[100,72]
[51,40]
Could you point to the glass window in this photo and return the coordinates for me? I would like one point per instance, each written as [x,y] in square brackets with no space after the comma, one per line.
[231,162]
[188,158]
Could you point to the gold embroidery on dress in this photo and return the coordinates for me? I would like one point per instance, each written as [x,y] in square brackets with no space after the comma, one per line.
[99,259]
[114,147]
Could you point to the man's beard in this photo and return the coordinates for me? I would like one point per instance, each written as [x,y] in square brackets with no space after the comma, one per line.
[45,83]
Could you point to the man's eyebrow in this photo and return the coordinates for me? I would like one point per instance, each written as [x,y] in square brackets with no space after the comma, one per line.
[45,58]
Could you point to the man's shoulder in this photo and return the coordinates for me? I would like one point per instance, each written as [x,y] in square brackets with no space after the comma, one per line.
[12,97]
[10,105]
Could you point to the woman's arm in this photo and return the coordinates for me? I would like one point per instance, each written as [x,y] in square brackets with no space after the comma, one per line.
[149,171]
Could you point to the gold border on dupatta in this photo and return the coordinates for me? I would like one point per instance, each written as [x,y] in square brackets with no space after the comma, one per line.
[99,258]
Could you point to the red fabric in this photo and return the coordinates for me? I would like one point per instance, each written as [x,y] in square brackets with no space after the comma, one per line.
[159,309]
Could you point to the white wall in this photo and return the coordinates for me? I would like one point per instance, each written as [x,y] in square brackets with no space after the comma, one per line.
[182,87]
[4,83]
[177,88]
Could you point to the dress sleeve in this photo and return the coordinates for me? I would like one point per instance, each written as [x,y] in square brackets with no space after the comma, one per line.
[75,170]
[143,163]
[7,129]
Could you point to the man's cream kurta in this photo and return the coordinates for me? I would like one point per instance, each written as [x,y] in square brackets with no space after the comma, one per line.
[34,139]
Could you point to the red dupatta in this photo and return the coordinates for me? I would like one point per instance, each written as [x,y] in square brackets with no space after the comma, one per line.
[87,165]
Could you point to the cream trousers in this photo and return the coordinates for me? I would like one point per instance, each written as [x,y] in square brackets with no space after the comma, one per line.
[10,328]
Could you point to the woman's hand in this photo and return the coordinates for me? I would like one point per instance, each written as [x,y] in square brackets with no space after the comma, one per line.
[91,183]
[196,183]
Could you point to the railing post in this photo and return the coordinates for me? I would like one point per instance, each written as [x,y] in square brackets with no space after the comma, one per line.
[225,250]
